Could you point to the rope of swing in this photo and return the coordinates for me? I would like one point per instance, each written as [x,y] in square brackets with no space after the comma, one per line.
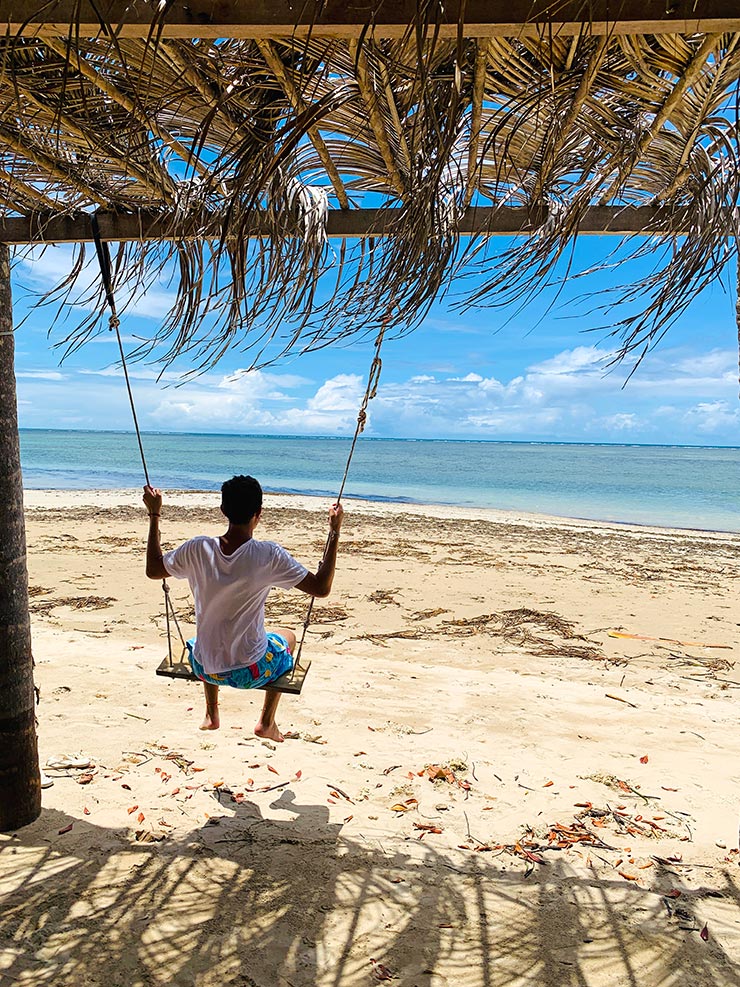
[114,323]
[373,379]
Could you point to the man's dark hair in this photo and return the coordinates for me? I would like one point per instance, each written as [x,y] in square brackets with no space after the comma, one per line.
[241,499]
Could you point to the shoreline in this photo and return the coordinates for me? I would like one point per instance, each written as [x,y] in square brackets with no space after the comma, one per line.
[53,498]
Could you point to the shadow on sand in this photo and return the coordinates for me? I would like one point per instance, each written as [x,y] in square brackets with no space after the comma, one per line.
[256,902]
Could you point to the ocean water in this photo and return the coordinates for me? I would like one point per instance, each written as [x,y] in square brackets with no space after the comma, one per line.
[675,486]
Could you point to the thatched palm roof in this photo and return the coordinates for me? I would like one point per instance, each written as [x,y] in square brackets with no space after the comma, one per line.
[205,142]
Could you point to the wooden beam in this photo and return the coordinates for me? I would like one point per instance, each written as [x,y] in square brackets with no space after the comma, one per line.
[349,18]
[347,223]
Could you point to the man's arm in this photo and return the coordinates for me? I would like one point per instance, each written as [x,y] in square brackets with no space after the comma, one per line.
[319,583]
[154,565]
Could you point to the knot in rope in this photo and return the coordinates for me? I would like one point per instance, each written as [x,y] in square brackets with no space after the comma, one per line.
[114,323]
[373,379]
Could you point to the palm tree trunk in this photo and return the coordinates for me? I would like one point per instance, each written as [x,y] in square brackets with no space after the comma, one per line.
[20,788]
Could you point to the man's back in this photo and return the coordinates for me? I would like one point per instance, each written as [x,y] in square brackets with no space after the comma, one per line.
[229,591]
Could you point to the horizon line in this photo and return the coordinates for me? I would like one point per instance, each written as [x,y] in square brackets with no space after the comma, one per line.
[381,438]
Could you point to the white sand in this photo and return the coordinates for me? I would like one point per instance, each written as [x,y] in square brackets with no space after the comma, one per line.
[411,667]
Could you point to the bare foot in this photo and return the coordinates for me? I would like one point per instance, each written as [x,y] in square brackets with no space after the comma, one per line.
[211,720]
[269,733]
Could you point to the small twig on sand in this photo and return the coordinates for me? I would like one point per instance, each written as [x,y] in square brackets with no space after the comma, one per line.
[272,788]
[677,816]
[602,859]
[645,798]
[137,717]
[469,834]
[336,788]
[457,870]
[620,700]
[147,757]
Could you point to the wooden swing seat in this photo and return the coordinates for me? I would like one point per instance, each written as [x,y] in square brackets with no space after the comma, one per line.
[291,682]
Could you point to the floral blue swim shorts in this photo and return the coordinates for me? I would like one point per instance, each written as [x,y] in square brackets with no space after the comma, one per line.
[276,661]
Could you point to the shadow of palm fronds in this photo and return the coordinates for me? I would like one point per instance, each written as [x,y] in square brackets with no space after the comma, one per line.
[255,901]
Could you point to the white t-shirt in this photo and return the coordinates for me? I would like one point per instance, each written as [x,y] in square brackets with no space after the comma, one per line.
[229,593]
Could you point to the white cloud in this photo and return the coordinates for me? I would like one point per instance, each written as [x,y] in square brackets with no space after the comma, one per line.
[468,379]
[135,373]
[339,394]
[715,364]
[679,374]
[589,359]
[712,416]
[241,377]
[254,402]
[151,304]
[109,338]
[40,375]
[513,422]
[621,422]
[47,266]
[566,397]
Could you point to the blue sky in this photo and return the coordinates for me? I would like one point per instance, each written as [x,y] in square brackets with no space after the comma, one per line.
[535,374]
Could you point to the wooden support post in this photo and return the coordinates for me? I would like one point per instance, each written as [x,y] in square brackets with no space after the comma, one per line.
[737,319]
[20,786]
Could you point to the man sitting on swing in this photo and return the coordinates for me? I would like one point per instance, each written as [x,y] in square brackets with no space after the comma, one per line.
[230,578]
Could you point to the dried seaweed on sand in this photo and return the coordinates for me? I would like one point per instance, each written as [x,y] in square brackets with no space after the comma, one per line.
[34,591]
[514,626]
[74,602]
[384,597]
[428,614]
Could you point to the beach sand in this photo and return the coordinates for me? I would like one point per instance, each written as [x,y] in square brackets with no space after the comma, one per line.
[484,787]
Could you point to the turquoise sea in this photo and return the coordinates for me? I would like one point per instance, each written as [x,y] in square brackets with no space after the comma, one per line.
[676,486]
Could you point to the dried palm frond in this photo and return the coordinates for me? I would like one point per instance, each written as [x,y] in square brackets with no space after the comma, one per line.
[244,148]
